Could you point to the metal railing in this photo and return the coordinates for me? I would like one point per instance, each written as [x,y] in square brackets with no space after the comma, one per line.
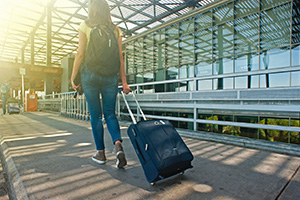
[267,102]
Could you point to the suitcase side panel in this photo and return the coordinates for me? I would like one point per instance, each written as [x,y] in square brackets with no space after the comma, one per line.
[137,141]
[167,146]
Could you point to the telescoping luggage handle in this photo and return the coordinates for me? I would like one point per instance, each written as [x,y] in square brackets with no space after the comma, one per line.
[129,110]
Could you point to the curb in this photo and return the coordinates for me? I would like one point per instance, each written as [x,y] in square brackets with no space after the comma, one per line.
[15,184]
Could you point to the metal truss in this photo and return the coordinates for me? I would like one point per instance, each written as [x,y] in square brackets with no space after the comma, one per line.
[24,26]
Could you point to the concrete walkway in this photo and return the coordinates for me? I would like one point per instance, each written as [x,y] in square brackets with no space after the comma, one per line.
[49,157]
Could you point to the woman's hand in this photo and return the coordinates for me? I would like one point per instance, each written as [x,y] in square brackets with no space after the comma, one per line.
[126,88]
[75,87]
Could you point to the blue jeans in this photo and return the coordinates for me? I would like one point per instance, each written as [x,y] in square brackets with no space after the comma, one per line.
[93,85]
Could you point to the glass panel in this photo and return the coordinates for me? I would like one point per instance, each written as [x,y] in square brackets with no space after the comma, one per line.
[138,58]
[253,81]
[247,34]
[161,57]
[187,27]
[131,79]
[159,75]
[130,69]
[296,22]
[183,86]
[139,78]
[223,83]
[295,76]
[186,71]
[204,85]
[262,82]
[148,53]
[172,51]
[203,21]
[223,40]
[275,58]
[241,82]
[203,45]
[246,7]
[223,66]
[148,77]
[280,80]
[295,55]
[228,83]
[186,49]
[172,73]
[271,3]
[248,62]
[275,27]
[223,14]
[203,68]
[160,36]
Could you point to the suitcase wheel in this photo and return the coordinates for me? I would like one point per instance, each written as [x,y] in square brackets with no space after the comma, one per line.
[153,183]
[182,173]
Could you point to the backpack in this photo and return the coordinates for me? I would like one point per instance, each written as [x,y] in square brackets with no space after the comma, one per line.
[4,89]
[102,55]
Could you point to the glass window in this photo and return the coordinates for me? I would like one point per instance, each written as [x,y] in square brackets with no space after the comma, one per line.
[275,58]
[186,71]
[241,82]
[253,81]
[248,62]
[148,53]
[172,73]
[295,55]
[275,27]
[262,81]
[186,49]
[160,36]
[280,79]
[139,78]
[130,69]
[203,45]
[148,77]
[246,34]
[296,24]
[159,75]
[187,27]
[203,21]
[223,14]
[245,7]
[138,58]
[295,76]
[203,68]
[204,85]
[223,83]
[223,40]
[161,56]
[228,83]
[271,3]
[223,66]
[172,51]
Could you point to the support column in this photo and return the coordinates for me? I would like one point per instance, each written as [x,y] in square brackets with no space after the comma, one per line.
[32,48]
[49,30]
[48,84]
[22,56]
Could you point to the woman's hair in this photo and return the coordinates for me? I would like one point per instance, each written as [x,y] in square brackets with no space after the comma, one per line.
[99,13]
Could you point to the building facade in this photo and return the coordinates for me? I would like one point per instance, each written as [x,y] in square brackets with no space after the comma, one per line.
[229,45]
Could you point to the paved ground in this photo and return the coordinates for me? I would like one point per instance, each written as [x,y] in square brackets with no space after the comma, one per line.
[48,157]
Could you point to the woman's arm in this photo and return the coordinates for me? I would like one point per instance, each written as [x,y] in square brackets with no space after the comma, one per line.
[79,57]
[126,88]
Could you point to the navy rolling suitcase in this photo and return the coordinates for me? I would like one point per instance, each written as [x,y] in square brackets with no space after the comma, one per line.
[159,147]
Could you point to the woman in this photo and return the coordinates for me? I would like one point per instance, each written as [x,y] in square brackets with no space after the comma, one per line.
[93,84]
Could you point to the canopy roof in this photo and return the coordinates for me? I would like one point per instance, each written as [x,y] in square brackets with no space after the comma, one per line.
[23,22]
